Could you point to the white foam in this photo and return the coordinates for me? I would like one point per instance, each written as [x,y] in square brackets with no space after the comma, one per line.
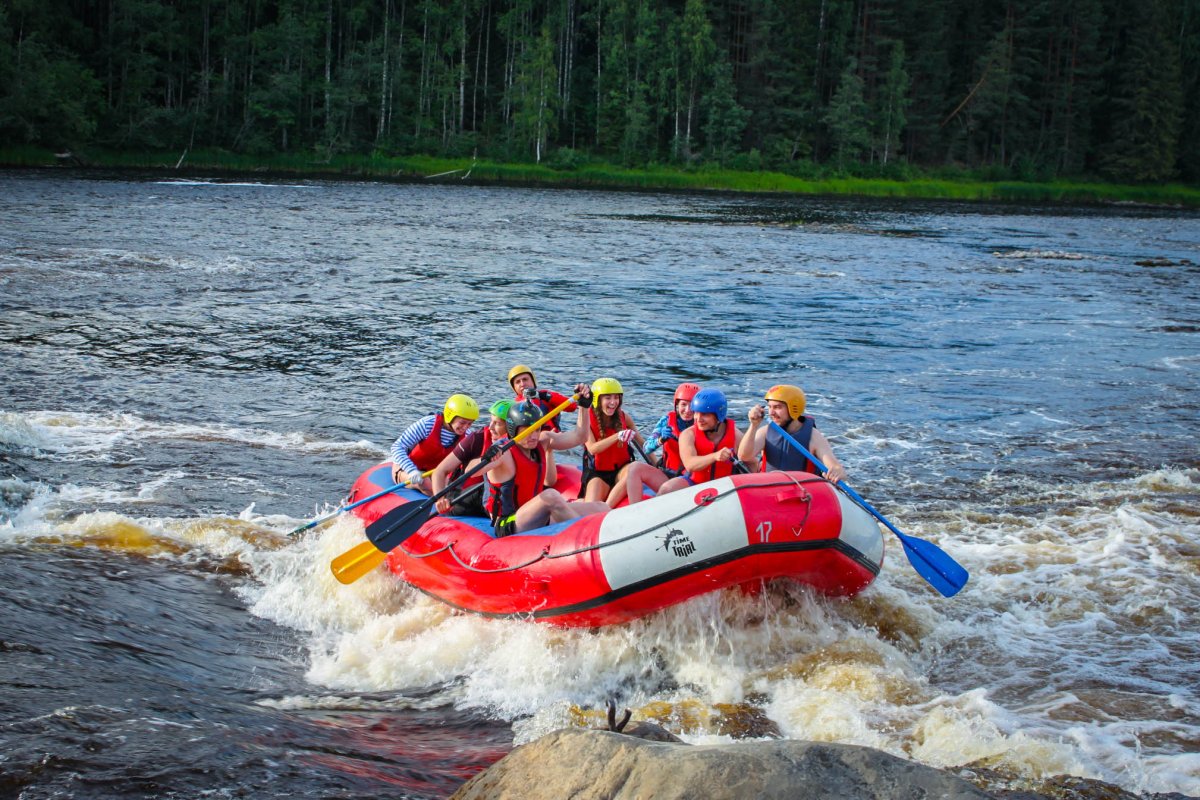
[74,434]
[1095,586]
[1181,362]
[1046,254]
[257,184]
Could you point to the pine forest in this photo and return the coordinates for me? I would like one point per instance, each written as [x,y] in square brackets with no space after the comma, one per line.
[1023,89]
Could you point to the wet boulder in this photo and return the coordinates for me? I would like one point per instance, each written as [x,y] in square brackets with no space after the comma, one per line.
[599,765]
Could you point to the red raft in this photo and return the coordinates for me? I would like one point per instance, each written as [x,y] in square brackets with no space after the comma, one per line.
[623,564]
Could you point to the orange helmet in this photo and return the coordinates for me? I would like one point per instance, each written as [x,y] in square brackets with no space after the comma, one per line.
[793,396]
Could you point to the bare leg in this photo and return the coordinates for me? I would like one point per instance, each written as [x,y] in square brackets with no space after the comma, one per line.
[597,490]
[578,509]
[537,511]
[550,506]
[617,494]
[673,485]
[639,476]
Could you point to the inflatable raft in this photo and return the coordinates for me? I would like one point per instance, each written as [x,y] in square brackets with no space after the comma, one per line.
[616,566]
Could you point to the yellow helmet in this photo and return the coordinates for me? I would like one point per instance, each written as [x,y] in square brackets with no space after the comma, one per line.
[605,386]
[519,369]
[459,405]
[792,395]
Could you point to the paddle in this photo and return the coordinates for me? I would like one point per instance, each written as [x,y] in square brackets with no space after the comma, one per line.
[386,533]
[356,504]
[931,562]
[476,489]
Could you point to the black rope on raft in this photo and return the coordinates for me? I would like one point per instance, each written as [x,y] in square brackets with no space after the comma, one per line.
[513,568]
[546,554]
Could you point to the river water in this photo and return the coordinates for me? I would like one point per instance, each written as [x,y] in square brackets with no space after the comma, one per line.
[191,368]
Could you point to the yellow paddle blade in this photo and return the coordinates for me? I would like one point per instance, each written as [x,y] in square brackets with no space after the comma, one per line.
[356,562]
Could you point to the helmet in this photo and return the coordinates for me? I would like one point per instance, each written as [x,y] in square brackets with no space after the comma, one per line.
[520,415]
[459,405]
[605,386]
[792,395]
[711,401]
[519,369]
[500,408]
[686,391]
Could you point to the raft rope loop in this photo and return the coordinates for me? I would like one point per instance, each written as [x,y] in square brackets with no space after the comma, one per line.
[807,499]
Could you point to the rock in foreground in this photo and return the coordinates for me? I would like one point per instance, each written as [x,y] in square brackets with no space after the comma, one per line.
[597,765]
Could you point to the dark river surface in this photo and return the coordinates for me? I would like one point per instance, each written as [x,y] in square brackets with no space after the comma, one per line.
[192,368]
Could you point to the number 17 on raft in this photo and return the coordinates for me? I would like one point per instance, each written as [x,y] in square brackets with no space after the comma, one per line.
[764,531]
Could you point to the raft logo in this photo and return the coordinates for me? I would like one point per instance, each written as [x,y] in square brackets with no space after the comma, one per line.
[678,543]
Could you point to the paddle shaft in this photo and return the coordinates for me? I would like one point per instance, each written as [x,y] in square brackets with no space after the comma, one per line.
[931,562]
[341,509]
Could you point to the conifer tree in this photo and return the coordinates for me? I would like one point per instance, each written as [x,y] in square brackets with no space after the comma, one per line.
[890,117]
[535,97]
[847,118]
[725,120]
[1147,103]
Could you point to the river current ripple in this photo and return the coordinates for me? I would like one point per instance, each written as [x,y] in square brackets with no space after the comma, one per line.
[192,367]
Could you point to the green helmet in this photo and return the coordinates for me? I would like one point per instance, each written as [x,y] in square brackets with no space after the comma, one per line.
[500,408]
[521,415]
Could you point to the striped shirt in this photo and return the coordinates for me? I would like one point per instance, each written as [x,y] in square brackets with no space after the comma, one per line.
[415,434]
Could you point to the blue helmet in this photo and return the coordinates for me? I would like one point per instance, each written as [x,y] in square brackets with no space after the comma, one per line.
[711,401]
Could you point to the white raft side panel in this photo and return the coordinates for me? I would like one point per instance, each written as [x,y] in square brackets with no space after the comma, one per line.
[860,530]
[673,538]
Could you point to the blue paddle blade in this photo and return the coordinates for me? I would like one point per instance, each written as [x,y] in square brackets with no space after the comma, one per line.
[940,570]
[931,562]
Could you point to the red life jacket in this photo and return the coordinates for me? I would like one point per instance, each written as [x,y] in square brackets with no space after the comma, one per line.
[705,447]
[546,401]
[486,439]
[672,461]
[616,456]
[429,452]
[530,479]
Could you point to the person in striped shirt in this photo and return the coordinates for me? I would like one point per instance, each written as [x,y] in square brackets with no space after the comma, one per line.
[427,441]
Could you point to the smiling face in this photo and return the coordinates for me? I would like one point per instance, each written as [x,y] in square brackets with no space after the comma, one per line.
[706,421]
[522,382]
[460,425]
[683,409]
[779,412]
[609,403]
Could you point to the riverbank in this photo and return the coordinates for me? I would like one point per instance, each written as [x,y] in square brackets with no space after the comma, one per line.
[578,173]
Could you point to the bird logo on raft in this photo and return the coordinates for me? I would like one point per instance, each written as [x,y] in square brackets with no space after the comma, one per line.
[678,543]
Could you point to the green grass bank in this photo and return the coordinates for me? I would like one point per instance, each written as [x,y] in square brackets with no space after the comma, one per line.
[598,175]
